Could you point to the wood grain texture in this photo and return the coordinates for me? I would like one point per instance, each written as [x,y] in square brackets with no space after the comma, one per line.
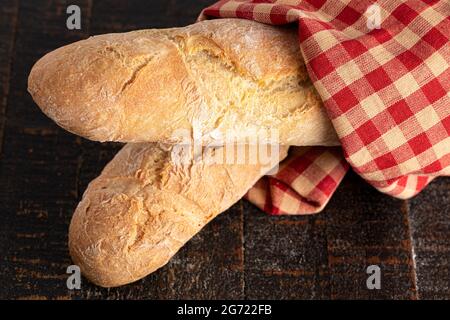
[285,257]
[8,27]
[365,227]
[39,165]
[429,216]
[243,253]
[326,256]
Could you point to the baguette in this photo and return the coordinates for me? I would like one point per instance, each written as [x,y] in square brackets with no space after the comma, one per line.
[218,81]
[144,206]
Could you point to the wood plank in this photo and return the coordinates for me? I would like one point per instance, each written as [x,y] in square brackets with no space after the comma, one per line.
[285,256]
[38,166]
[365,227]
[8,25]
[326,256]
[430,224]
[122,16]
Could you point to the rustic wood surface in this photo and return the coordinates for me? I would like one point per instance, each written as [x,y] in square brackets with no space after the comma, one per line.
[243,253]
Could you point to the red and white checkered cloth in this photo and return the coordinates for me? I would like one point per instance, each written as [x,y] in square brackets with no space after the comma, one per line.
[385,89]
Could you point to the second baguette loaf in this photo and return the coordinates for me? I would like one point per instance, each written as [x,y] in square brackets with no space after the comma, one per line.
[220,81]
[143,207]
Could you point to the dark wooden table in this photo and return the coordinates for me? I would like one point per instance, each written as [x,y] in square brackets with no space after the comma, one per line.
[243,253]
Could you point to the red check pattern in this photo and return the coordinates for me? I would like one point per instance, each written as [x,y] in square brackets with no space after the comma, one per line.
[304,182]
[385,89]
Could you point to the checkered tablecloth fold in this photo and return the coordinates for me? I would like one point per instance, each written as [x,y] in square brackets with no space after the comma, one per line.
[382,71]
[304,182]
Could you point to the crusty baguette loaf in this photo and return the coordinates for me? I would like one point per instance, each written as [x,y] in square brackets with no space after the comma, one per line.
[143,207]
[221,81]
